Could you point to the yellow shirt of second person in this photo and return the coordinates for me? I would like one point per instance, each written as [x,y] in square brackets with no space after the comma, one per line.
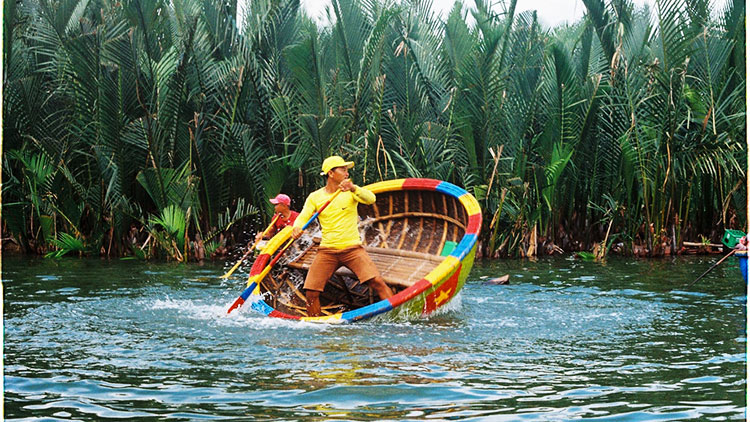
[339,221]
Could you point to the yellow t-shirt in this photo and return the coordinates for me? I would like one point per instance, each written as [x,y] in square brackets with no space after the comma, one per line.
[339,221]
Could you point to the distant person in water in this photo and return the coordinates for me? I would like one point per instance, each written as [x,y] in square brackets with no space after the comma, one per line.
[742,244]
[283,214]
[340,244]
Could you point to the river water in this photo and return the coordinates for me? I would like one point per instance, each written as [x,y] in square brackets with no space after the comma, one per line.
[89,339]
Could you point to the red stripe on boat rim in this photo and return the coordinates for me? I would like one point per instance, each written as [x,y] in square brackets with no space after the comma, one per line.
[279,314]
[409,293]
[260,263]
[429,184]
[475,221]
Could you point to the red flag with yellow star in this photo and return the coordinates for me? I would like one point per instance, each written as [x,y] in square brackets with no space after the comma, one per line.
[442,294]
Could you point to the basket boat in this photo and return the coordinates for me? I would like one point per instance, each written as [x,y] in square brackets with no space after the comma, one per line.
[420,233]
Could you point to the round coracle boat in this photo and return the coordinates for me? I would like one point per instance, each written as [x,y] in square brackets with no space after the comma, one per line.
[420,233]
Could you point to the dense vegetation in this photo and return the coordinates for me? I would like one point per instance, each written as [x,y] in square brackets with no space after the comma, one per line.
[162,123]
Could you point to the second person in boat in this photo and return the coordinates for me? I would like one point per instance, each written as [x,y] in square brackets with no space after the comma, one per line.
[283,216]
[340,244]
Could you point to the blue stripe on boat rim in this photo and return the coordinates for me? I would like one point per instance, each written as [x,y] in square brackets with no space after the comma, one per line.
[463,248]
[450,189]
[367,311]
[262,307]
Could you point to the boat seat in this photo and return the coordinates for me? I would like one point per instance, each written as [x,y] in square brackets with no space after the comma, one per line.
[397,267]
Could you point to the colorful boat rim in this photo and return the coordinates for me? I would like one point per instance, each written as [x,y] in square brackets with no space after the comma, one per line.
[432,291]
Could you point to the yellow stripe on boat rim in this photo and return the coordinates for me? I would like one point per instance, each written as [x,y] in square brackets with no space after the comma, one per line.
[386,186]
[335,318]
[276,241]
[449,264]
[471,204]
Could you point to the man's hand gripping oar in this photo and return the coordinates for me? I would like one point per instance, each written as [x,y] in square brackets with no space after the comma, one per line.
[253,280]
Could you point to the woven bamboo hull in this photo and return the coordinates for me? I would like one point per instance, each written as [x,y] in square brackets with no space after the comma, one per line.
[422,236]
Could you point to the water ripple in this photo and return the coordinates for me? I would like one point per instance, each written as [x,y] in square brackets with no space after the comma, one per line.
[565,340]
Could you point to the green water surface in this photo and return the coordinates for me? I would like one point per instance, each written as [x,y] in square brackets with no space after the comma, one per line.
[90,339]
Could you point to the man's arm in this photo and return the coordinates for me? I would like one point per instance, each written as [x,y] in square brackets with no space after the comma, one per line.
[360,194]
[307,211]
[363,196]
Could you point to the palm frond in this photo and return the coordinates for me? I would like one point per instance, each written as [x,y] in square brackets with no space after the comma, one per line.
[65,244]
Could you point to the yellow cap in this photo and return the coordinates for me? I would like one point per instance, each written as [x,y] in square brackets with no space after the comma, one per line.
[334,161]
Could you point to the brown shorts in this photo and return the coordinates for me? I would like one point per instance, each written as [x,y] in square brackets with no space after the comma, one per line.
[329,260]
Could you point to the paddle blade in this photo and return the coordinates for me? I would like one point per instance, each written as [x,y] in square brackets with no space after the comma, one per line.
[237,303]
[243,297]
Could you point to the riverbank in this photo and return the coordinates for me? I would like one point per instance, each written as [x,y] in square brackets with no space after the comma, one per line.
[197,251]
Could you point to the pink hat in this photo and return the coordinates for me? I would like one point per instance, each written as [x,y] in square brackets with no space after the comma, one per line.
[281,199]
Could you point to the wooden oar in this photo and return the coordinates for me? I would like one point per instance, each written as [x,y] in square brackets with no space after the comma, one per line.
[712,267]
[252,281]
[252,248]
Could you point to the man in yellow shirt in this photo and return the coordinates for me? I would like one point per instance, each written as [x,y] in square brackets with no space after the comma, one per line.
[341,244]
